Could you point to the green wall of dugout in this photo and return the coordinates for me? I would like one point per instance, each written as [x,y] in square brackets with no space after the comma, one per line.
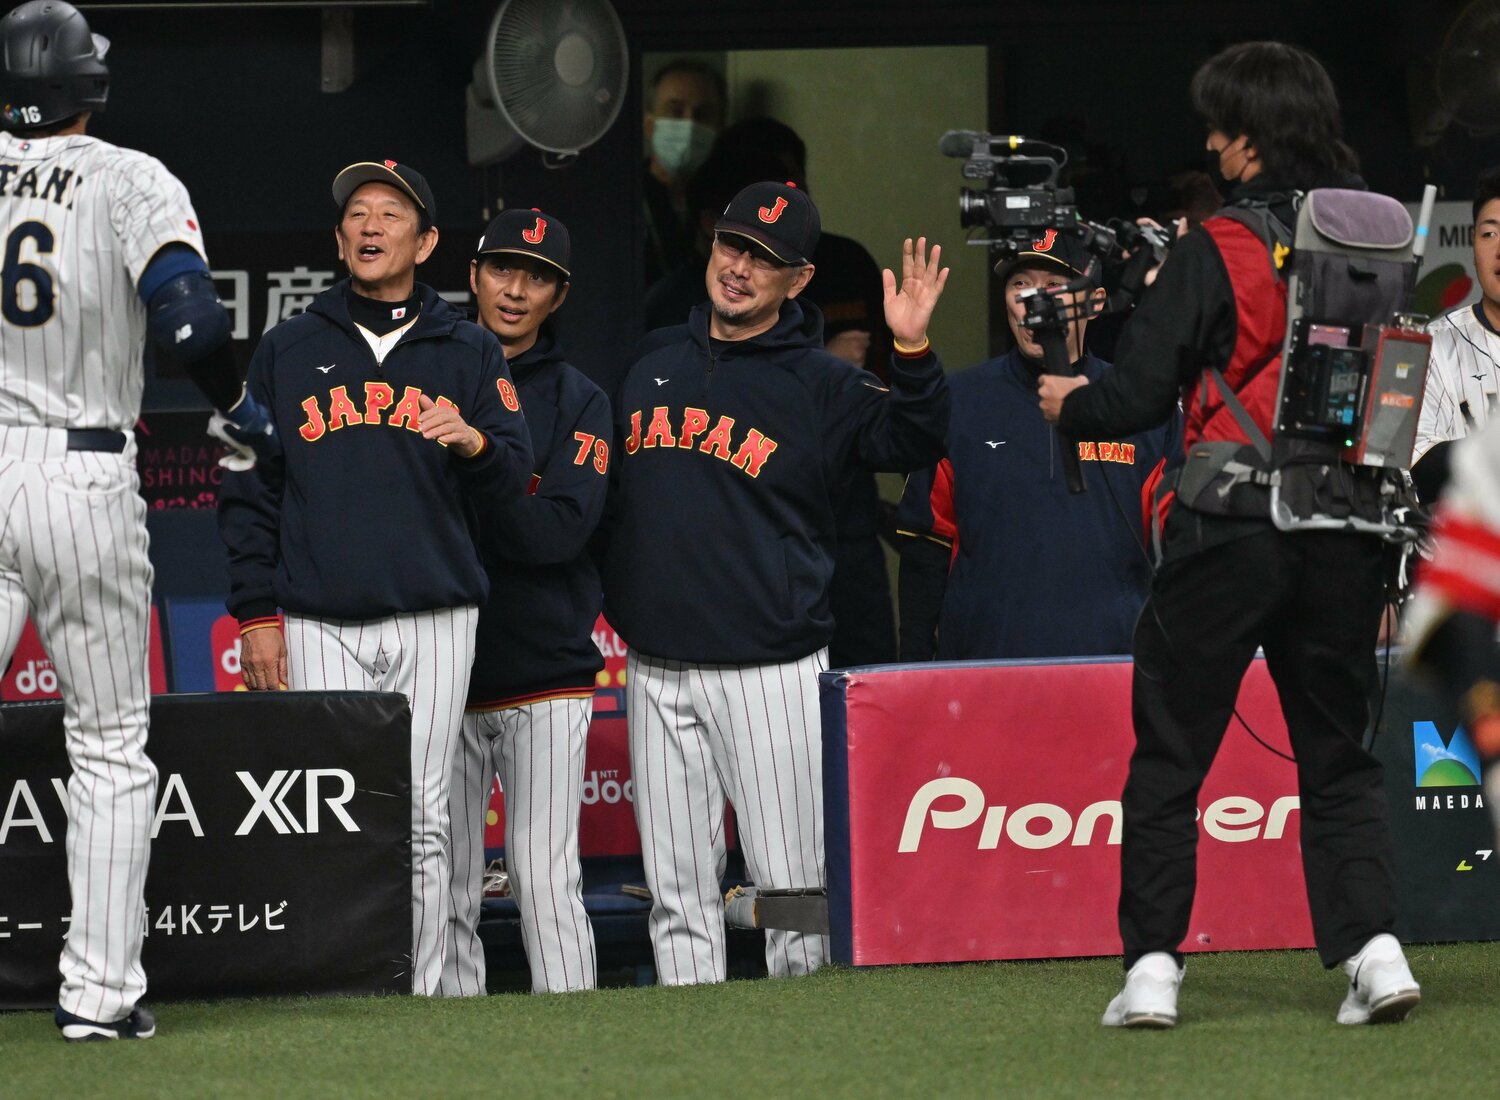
[871,119]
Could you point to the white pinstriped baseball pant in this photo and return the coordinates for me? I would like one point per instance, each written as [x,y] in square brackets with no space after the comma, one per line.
[538,751]
[426,656]
[73,552]
[700,733]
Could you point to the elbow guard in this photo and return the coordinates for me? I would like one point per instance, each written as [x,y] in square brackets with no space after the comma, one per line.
[190,328]
[186,319]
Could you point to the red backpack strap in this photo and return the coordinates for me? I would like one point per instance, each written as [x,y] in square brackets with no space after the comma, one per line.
[1158,492]
[1274,233]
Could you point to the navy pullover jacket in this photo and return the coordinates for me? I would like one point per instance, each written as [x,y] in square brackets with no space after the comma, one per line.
[722,542]
[536,633]
[363,517]
[1037,571]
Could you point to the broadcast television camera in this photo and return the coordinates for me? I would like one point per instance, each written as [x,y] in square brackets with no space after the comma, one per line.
[1021,204]
[1023,200]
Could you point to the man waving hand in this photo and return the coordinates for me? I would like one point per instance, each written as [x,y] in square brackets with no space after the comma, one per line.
[732,430]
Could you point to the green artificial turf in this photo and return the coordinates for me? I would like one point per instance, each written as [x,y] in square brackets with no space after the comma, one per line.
[1253,1025]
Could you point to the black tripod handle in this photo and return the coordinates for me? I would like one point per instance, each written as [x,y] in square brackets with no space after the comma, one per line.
[1055,356]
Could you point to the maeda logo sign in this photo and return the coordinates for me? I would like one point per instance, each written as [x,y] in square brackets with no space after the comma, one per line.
[1438,762]
[1444,761]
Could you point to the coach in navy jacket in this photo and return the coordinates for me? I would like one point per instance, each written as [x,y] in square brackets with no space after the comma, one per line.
[731,433]
[398,423]
[375,519]
[729,451]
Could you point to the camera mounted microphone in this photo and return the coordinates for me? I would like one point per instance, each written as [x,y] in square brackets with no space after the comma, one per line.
[963,144]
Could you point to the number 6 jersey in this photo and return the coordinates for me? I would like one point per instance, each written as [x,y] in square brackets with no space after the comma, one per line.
[80,220]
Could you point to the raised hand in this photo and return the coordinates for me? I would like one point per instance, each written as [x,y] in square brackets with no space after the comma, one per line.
[908,310]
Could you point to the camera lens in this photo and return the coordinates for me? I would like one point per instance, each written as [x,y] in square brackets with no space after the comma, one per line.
[972,209]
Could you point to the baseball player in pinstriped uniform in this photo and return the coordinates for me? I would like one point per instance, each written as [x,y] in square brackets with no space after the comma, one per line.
[400,422]
[720,548]
[531,691]
[1463,382]
[1463,378]
[102,247]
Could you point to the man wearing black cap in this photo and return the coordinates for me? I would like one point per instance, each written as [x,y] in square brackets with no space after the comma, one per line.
[733,428]
[532,688]
[847,292]
[400,424]
[991,532]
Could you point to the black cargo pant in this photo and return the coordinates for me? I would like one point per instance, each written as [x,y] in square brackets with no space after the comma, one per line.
[1312,601]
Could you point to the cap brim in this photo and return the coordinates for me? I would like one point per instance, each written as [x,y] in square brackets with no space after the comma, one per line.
[775,248]
[523,252]
[354,177]
[1034,259]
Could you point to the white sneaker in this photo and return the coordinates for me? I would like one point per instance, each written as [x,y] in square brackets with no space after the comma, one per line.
[1381,988]
[1149,998]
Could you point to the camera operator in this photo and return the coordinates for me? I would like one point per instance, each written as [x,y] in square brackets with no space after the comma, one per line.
[992,531]
[1230,583]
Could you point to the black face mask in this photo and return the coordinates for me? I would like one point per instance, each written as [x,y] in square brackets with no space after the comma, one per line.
[1213,165]
[1213,162]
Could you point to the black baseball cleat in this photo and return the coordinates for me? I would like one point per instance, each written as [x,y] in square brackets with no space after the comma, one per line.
[140,1024]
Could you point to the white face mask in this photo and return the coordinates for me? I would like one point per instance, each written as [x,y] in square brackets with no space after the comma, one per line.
[680,145]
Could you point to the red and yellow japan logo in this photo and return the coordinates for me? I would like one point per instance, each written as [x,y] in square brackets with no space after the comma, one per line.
[769,214]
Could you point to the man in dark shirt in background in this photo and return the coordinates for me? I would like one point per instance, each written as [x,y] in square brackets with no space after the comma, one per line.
[687,100]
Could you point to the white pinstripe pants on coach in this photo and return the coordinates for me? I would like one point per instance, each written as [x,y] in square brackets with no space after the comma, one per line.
[73,552]
[700,733]
[538,751]
[426,656]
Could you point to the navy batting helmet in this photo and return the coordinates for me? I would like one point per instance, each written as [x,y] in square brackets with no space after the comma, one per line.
[53,65]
